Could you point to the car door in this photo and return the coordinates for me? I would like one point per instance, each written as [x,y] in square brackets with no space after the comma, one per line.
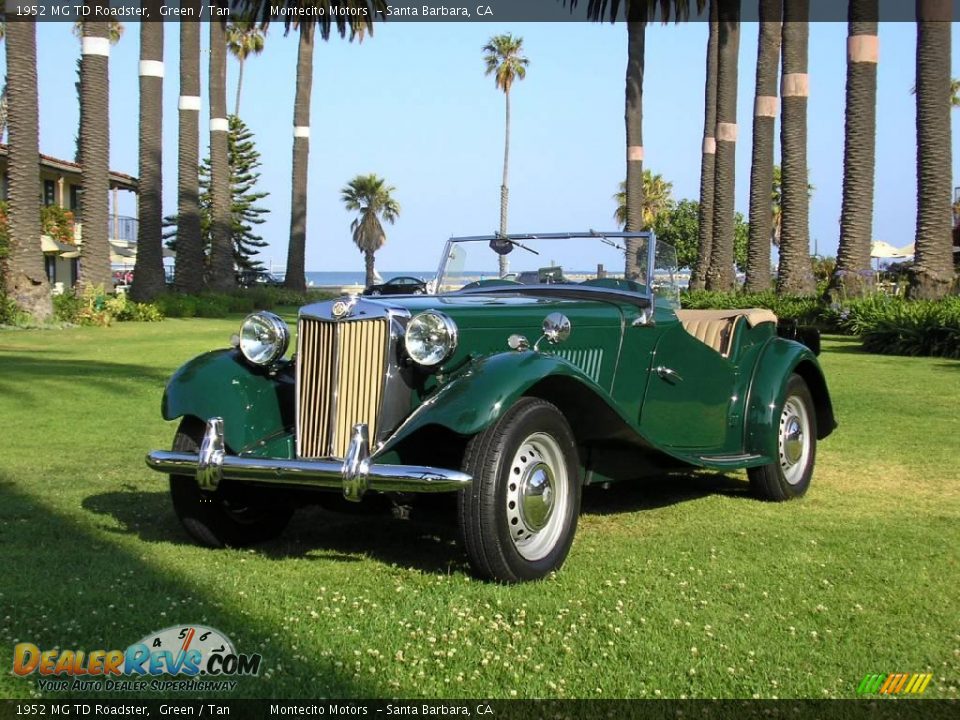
[689,393]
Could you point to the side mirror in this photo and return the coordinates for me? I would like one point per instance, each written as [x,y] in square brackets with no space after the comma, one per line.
[556,328]
[501,246]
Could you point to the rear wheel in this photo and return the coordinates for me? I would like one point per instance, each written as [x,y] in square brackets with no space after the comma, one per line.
[789,476]
[519,516]
[235,515]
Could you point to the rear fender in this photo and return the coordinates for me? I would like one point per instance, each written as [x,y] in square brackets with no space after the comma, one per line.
[476,399]
[780,359]
[252,403]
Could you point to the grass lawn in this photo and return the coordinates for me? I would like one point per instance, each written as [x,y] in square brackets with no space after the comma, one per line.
[683,586]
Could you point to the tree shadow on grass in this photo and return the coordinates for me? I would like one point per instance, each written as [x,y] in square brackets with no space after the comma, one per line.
[66,584]
[425,541]
[21,373]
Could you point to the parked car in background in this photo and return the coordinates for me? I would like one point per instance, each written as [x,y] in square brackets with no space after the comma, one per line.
[512,396]
[258,278]
[402,285]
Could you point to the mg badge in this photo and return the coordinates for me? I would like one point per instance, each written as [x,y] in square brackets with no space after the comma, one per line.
[342,308]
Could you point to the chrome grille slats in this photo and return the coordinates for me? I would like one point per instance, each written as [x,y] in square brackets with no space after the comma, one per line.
[341,370]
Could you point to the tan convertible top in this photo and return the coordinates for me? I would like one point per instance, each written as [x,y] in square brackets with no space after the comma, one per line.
[715,327]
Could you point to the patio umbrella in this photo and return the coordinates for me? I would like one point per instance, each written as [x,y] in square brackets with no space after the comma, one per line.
[880,249]
[908,250]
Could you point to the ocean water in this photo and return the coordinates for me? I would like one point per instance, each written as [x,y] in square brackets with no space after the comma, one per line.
[333,278]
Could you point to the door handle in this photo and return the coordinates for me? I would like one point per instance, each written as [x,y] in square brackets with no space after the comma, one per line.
[668,374]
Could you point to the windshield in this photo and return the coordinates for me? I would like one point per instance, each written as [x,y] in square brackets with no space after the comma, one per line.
[587,260]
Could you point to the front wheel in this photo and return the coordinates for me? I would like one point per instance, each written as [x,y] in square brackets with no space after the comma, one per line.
[789,475]
[519,516]
[235,515]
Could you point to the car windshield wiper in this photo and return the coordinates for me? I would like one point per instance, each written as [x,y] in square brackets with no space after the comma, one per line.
[612,244]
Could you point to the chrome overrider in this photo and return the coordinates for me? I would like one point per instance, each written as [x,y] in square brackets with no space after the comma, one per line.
[354,475]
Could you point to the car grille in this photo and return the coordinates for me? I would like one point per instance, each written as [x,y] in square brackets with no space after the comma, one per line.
[341,370]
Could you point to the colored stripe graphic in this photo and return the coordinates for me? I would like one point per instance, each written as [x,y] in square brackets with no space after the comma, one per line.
[894,683]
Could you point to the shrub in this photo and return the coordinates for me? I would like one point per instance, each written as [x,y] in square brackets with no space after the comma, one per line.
[804,309]
[66,307]
[920,327]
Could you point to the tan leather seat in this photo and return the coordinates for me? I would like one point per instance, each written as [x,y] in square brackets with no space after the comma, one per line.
[715,328]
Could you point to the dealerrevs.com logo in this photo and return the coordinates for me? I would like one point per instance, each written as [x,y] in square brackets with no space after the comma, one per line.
[192,651]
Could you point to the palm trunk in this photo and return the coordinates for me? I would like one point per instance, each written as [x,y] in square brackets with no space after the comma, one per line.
[795,275]
[368,261]
[633,117]
[708,158]
[720,276]
[296,253]
[95,153]
[222,277]
[148,278]
[853,276]
[504,191]
[761,168]
[236,104]
[933,273]
[24,279]
[190,252]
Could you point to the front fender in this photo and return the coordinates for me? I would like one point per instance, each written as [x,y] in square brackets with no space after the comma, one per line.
[252,403]
[476,399]
[780,359]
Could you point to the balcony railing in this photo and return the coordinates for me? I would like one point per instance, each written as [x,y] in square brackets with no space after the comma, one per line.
[122,227]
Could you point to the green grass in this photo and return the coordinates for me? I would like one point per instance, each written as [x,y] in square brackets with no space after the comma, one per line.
[678,587]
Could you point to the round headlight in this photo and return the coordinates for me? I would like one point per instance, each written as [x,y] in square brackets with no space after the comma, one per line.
[263,338]
[431,338]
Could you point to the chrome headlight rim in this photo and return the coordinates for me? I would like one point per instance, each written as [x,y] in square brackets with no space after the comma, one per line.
[452,335]
[275,324]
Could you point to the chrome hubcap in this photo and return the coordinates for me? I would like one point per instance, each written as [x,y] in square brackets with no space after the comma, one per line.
[537,496]
[794,440]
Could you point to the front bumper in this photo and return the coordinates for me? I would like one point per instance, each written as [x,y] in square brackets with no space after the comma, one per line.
[354,475]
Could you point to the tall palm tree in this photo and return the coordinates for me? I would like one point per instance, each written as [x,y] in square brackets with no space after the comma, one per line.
[244,38]
[504,59]
[95,151]
[222,277]
[853,275]
[933,274]
[795,275]
[190,255]
[372,198]
[3,95]
[657,199]
[25,278]
[638,14]
[708,156]
[720,275]
[761,168]
[148,276]
[296,254]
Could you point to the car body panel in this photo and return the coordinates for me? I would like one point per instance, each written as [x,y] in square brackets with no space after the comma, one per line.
[254,404]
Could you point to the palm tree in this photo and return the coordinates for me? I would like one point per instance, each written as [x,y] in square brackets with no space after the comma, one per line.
[708,157]
[148,276]
[853,275]
[657,199]
[296,254]
[932,274]
[720,275]
[638,14]
[25,279]
[761,168]
[3,96]
[504,59]
[190,254]
[95,152]
[371,196]
[795,275]
[222,277]
[244,38]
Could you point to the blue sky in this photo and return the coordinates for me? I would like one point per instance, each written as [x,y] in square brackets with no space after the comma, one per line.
[412,104]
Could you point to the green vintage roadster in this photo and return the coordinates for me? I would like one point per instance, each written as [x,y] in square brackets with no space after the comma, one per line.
[511,390]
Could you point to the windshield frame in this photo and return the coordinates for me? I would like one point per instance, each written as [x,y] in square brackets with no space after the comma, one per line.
[558,288]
